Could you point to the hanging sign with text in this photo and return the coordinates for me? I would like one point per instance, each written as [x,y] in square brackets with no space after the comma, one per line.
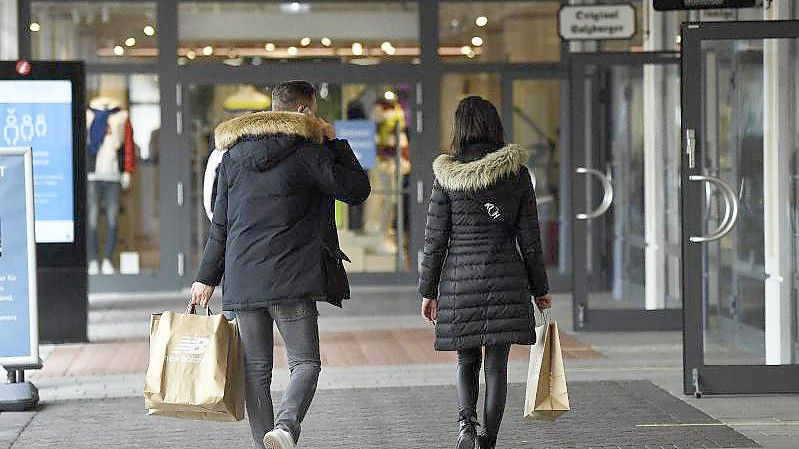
[597,22]
[19,332]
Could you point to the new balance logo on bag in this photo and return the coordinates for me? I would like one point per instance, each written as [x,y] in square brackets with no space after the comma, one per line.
[192,345]
[189,350]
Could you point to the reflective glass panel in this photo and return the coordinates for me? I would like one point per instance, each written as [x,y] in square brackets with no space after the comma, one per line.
[249,33]
[96,32]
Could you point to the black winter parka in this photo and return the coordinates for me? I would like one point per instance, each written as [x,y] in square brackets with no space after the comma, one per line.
[273,234]
[482,274]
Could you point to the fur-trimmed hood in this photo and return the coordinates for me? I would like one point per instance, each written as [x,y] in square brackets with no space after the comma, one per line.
[261,140]
[455,175]
[261,124]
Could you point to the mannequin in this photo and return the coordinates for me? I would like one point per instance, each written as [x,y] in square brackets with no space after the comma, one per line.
[110,163]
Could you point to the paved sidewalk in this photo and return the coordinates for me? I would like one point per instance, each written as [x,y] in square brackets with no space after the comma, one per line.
[381,373]
[606,415]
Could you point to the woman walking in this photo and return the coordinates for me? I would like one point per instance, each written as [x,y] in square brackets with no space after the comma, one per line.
[482,262]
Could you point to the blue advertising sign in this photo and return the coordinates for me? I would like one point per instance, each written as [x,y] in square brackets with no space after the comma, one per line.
[362,136]
[19,331]
[38,114]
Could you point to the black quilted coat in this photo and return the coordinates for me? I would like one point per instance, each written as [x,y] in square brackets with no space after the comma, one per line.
[472,264]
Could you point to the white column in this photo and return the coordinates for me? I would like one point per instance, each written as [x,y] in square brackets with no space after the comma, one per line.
[654,149]
[779,78]
[8,30]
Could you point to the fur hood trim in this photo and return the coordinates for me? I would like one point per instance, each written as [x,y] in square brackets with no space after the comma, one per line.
[480,174]
[261,124]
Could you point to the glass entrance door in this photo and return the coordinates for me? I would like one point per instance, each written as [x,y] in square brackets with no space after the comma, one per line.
[625,109]
[739,206]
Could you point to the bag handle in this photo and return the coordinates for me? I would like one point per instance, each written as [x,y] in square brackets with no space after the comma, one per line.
[546,314]
[191,309]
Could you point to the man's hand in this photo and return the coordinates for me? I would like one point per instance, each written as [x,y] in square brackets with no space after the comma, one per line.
[201,294]
[430,310]
[544,302]
[328,130]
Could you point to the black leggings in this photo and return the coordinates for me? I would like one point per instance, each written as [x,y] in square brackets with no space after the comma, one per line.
[496,375]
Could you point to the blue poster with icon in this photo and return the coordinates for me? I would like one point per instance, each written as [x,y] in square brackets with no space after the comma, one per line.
[38,114]
[17,261]
[361,134]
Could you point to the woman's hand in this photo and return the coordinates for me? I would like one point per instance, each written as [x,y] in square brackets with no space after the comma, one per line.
[544,302]
[201,294]
[430,310]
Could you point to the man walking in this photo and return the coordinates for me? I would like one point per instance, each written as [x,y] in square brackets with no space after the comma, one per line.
[273,237]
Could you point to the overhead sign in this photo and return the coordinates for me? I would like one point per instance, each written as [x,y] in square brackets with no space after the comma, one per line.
[670,5]
[362,137]
[597,22]
[38,114]
[19,332]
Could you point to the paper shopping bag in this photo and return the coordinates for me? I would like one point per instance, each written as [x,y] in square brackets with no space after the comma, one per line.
[195,369]
[547,397]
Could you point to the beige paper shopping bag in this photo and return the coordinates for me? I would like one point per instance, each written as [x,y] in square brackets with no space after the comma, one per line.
[195,369]
[547,397]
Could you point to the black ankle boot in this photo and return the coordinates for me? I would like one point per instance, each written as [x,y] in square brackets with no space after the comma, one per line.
[486,442]
[467,434]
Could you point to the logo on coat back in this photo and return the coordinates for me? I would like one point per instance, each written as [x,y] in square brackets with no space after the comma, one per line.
[493,211]
[189,350]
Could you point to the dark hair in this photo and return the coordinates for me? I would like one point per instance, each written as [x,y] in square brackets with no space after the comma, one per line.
[289,95]
[476,121]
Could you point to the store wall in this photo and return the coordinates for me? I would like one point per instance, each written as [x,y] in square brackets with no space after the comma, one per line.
[8,29]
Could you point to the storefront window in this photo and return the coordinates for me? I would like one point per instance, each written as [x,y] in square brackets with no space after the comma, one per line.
[490,31]
[239,33]
[455,87]
[375,235]
[123,125]
[95,32]
[536,127]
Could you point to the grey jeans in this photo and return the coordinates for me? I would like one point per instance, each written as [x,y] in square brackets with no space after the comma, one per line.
[297,323]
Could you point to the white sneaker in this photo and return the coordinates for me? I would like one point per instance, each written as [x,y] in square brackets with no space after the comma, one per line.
[94,268]
[279,439]
[108,267]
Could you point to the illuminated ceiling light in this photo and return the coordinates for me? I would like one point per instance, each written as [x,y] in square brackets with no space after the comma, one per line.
[465,50]
[326,41]
[35,27]
[477,41]
[455,23]
[269,46]
[149,30]
[293,51]
[357,49]
[208,50]
[481,21]
[306,41]
[191,54]
[119,50]
[388,48]
[130,42]
[295,7]
[471,54]
[389,95]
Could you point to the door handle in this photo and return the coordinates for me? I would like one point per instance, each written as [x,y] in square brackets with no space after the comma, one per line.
[731,209]
[607,197]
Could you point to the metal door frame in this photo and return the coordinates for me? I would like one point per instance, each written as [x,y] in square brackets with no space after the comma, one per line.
[699,378]
[585,318]
[316,72]
[559,280]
